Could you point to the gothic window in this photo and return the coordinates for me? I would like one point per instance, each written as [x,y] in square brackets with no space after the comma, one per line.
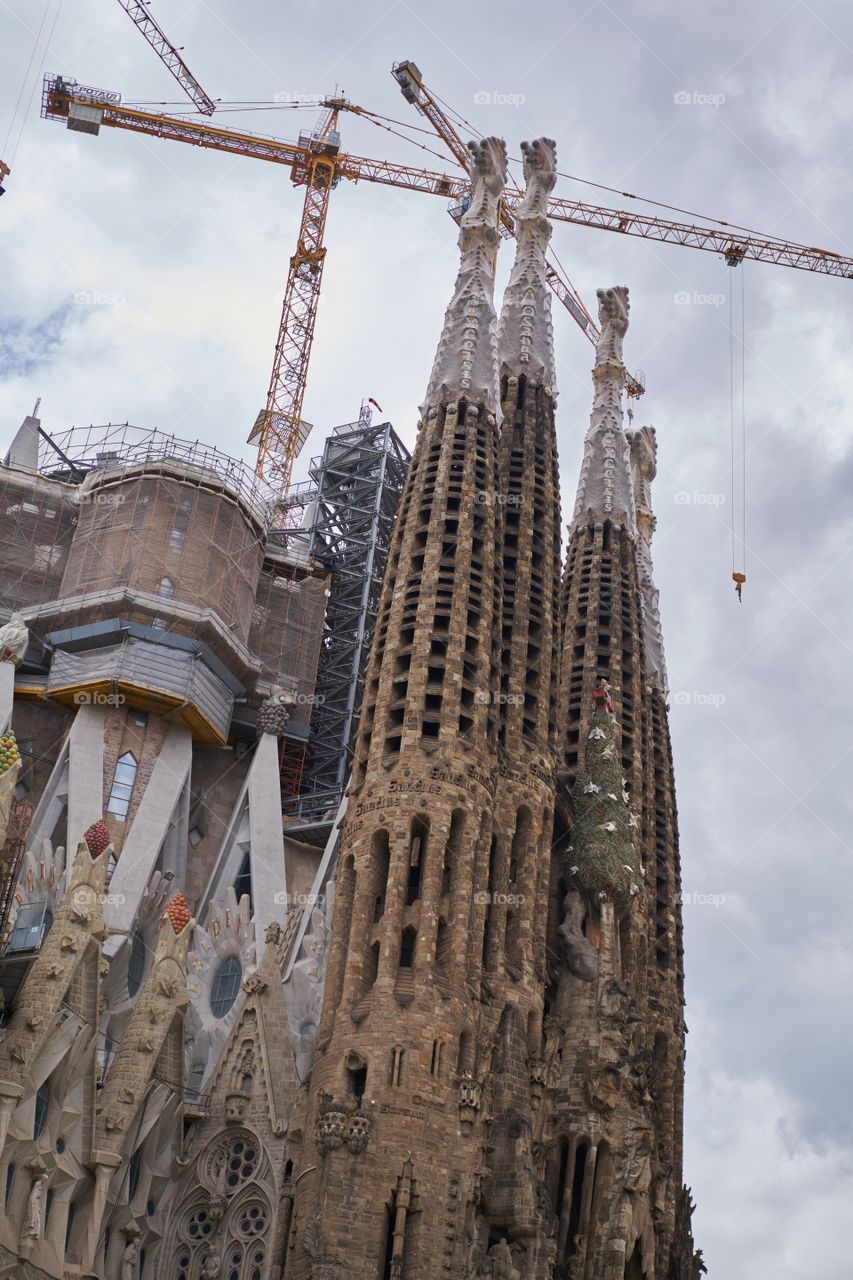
[48,1208]
[199,1225]
[252,1222]
[125,774]
[357,1077]
[235,1258]
[136,965]
[464,1063]
[226,985]
[256,1263]
[241,1164]
[41,1110]
[396,1074]
[167,587]
[437,1055]
[10,1178]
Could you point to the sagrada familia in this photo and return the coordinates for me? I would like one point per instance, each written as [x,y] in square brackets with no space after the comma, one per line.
[491,1081]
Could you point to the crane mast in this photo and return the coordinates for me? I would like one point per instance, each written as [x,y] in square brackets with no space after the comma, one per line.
[280,430]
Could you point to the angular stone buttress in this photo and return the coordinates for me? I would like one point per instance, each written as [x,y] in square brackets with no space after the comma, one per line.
[497,1085]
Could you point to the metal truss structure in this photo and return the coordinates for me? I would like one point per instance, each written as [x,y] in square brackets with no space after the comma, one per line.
[358,484]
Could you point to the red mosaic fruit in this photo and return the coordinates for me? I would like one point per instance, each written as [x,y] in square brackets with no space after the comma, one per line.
[178,913]
[97,838]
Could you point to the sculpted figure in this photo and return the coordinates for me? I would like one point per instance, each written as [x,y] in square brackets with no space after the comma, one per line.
[33,1224]
[579,954]
[128,1259]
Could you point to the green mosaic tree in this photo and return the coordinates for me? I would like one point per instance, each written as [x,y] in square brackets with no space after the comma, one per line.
[601,861]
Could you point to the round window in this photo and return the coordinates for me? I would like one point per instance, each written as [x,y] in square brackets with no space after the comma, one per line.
[226,984]
[136,965]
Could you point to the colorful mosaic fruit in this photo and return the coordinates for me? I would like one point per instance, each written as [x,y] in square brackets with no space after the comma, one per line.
[9,753]
[97,838]
[178,913]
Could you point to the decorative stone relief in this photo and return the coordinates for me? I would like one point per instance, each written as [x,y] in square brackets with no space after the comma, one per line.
[332,1126]
[525,331]
[605,490]
[230,933]
[469,1098]
[466,360]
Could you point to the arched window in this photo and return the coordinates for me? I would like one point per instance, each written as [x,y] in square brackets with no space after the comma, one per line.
[407,947]
[167,587]
[381,861]
[42,1109]
[136,965]
[125,775]
[226,984]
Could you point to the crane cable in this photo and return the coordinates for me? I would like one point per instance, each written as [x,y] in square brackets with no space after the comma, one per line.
[36,43]
[738,437]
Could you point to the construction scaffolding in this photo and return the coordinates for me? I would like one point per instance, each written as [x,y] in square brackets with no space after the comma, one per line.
[124,528]
[355,491]
[37,522]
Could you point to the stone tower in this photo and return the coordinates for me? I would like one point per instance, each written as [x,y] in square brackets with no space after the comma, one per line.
[496,1089]
[615,1031]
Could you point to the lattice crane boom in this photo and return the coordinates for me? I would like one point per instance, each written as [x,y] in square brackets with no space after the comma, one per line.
[728,241]
[137,10]
[316,162]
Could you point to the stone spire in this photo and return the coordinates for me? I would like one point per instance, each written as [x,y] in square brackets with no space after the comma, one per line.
[466,360]
[526,333]
[644,451]
[605,491]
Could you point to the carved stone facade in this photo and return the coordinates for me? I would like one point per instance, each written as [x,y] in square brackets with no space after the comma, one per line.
[494,974]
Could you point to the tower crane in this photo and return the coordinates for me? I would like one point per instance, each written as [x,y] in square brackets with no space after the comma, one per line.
[317,163]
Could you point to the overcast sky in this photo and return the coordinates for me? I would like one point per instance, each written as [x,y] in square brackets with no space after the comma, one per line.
[142,280]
